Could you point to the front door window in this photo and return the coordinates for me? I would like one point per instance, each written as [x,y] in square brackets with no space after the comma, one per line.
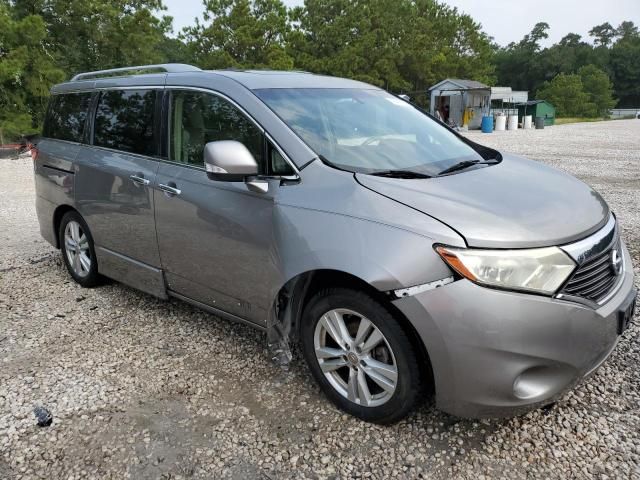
[198,118]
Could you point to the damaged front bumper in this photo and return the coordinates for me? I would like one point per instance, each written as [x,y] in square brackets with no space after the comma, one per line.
[497,353]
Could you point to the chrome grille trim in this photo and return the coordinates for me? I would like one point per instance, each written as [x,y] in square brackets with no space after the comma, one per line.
[587,248]
[594,280]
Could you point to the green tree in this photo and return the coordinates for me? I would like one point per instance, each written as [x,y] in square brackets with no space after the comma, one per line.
[241,33]
[603,34]
[97,34]
[351,39]
[527,66]
[567,94]
[566,56]
[400,45]
[519,65]
[442,42]
[27,71]
[625,66]
[42,42]
[627,29]
[175,50]
[597,85]
[538,33]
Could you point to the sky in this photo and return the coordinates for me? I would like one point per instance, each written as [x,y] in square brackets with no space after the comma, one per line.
[505,20]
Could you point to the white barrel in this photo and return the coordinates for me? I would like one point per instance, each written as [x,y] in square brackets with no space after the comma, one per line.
[501,121]
[513,122]
[527,122]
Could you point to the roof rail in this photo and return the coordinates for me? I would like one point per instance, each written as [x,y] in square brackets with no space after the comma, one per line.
[164,67]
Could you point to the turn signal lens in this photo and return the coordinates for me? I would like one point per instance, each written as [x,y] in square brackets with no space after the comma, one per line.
[541,270]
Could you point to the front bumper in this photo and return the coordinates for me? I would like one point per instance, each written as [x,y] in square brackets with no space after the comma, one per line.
[496,353]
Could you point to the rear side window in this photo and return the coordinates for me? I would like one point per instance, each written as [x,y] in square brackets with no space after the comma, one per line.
[66,116]
[124,121]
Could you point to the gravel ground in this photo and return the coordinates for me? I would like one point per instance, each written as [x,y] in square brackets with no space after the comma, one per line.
[140,388]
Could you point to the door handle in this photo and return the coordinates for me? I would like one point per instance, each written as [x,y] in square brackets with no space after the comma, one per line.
[169,190]
[139,180]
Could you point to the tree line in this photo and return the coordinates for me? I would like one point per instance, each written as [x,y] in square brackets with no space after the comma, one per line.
[579,78]
[404,46]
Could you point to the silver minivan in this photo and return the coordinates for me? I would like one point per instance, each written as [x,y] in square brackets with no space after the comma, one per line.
[403,258]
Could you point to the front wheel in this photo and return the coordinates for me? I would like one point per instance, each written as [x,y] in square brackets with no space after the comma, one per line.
[360,355]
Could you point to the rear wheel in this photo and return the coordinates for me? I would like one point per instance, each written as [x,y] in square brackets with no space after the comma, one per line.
[360,355]
[78,251]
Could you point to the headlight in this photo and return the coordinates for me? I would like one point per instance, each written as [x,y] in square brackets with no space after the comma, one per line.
[541,270]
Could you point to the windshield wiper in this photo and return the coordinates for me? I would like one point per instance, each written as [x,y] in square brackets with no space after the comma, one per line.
[407,174]
[466,164]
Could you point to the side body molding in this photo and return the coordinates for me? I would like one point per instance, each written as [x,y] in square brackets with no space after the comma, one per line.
[131,272]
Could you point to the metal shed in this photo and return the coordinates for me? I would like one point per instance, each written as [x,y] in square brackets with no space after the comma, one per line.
[463,100]
[504,100]
[538,108]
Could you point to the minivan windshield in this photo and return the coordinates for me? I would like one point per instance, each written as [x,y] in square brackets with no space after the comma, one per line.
[367,130]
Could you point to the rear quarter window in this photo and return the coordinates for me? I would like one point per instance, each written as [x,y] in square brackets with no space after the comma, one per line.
[124,121]
[66,116]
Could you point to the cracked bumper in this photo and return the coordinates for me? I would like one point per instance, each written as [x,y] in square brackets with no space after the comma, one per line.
[496,353]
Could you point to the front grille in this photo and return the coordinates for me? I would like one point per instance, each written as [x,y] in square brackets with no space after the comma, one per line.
[595,278]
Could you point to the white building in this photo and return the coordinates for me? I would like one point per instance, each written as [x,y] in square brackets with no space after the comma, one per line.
[466,101]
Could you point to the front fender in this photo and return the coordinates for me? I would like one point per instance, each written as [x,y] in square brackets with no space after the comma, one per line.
[383,256]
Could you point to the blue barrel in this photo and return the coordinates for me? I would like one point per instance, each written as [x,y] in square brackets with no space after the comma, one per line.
[487,124]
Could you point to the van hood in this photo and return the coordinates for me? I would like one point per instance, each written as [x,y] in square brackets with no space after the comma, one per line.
[517,203]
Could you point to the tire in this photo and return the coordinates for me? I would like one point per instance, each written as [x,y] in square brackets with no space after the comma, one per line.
[78,253]
[343,371]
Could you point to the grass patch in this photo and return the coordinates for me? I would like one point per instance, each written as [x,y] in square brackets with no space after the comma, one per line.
[565,120]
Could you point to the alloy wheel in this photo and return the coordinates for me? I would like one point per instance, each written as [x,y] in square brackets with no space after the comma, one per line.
[76,246]
[355,357]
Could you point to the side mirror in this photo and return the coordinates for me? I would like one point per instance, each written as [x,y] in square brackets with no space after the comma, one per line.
[229,161]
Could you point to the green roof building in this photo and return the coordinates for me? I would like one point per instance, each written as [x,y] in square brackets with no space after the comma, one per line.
[538,108]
